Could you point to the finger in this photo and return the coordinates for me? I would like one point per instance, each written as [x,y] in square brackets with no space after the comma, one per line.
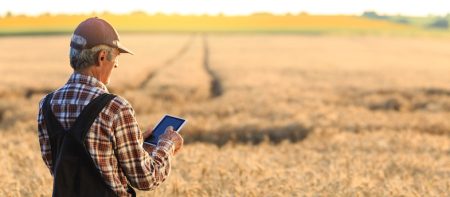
[169,128]
[178,149]
[147,133]
[149,147]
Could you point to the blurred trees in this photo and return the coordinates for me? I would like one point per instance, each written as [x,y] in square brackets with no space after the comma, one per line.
[440,23]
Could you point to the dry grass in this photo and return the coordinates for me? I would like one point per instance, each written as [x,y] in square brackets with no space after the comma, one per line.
[382,163]
[295,115]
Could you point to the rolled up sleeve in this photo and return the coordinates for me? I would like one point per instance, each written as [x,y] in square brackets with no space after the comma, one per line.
[144,171]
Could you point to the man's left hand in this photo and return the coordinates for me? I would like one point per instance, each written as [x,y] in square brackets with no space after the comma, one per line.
[149,148]
[147,133]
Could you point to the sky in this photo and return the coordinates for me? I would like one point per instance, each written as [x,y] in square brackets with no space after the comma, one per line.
[229,7]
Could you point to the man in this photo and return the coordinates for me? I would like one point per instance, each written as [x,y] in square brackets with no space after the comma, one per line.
[90,139]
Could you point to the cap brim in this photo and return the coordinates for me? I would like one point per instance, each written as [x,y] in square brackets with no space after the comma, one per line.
[123,49]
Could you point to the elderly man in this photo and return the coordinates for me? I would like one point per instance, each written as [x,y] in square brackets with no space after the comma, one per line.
[90,139]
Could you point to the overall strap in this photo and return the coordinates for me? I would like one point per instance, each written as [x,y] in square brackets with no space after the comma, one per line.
[88,115]
[54,127]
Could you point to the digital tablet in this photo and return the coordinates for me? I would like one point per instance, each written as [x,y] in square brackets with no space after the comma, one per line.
[168,120]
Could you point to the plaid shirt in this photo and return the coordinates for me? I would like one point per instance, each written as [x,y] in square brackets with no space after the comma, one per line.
[114,140]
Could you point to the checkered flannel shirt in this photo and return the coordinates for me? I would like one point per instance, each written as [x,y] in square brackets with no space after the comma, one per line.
[114,140]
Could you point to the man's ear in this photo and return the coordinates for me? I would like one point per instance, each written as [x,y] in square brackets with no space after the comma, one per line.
[101,57]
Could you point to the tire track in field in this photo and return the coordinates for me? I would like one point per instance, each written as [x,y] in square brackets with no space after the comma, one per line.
[30,92]
[185,48]
[216,88]
[153,73]
[244,135]
[26,93]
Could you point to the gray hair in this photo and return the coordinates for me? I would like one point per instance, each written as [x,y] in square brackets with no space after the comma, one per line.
[87,57]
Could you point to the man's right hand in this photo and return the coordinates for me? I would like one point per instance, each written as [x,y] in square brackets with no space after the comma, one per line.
[173,136]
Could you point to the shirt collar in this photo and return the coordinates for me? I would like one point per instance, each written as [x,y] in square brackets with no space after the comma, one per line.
[87,80]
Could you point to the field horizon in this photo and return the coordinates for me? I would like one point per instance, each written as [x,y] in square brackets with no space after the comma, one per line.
[301,23]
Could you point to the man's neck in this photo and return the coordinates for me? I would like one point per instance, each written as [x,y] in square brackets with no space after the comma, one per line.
[86,71]
[92,71]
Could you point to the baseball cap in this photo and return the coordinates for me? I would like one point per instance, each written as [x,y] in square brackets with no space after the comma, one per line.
[94,31]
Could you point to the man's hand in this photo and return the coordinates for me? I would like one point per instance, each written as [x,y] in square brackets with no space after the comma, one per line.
[149,148]
[147,133]
[173,136]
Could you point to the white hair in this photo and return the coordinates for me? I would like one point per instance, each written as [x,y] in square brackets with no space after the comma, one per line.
[87,57]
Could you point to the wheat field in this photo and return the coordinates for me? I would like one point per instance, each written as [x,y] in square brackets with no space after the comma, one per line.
[269,115]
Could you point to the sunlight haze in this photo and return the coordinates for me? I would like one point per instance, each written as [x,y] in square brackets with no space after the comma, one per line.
[230,7]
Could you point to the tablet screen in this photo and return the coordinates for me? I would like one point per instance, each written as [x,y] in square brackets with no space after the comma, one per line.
[166,121]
